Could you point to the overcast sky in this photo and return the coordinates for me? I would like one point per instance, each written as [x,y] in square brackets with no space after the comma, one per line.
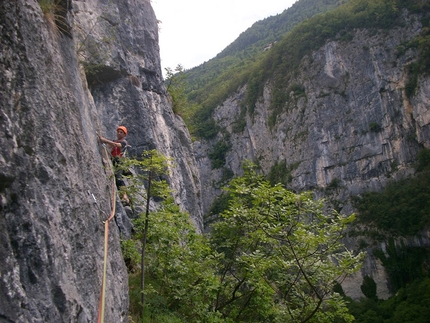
[194,31]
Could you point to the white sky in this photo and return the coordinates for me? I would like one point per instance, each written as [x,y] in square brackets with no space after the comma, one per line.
[194,31]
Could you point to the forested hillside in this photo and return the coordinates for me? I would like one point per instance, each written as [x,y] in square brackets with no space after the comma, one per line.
[246,62]
[337,105]
[252,42]
[272,29]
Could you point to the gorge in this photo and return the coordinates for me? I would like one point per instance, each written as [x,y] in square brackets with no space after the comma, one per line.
[346,124]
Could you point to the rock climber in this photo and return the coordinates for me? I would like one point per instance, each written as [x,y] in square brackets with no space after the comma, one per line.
[118,150]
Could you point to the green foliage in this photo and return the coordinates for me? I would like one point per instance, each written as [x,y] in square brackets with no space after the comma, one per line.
[421,66]
[284,59]
[155,311]
[177,263]
[368,287]
[374,127]
[210,83]
[281,173]
[176,86]
[284,99]
[274,257]
[151,165]
[227,175]
[282,255]
[219,152]
[334,184]
[243,52]
[423,159]
[297,32]
[404,264]
[220,204]
[182,265]
[410,304]
[130,254]
[49,7]
[203,125]
[144,186]
[240,123]
[92,47]
[401,208]
[269,30]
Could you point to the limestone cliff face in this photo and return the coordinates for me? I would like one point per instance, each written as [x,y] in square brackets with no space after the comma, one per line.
[58,87]
[117,45]
[350,128]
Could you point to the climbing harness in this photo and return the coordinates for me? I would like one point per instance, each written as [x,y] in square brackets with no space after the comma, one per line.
[101,313]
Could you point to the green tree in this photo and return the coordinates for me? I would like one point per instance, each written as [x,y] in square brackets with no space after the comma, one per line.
[409,304]
[219,152]
[282,255]
[181,266]
[402,208]
[423,160]
[150,167]
[176,85]
[369,287]
[274,257]
[175,260]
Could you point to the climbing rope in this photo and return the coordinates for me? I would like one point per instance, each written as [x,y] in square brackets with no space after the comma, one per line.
[101,313]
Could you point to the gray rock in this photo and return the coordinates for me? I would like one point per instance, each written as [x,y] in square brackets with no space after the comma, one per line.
[354,126]
[55,192]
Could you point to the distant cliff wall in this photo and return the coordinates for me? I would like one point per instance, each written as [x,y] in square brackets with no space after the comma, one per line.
[347,125]
[86,66]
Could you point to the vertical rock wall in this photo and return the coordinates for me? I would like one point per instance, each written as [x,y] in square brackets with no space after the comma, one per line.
[54,189]
[118,46]
[51,229]
[346,118]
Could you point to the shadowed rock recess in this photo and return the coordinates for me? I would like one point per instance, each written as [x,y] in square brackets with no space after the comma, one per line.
[78,68]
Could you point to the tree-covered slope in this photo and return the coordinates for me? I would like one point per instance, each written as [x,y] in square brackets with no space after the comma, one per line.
[211,83]
[274,28]
[250,45]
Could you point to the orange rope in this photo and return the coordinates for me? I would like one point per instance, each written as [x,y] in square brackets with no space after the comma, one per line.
[101,313]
